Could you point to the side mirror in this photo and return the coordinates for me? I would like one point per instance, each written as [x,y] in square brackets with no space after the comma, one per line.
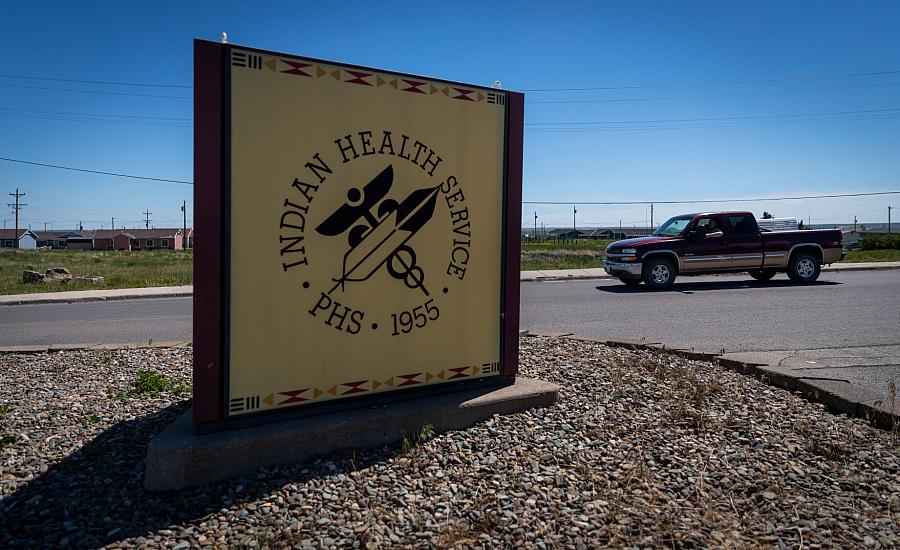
[717,234]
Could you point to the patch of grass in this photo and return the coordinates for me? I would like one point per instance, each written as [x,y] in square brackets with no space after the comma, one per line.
[147,382]
[90,420]
[856,256]
[6,440]
[4,409]
[567,255]
[425,433]
[120,269]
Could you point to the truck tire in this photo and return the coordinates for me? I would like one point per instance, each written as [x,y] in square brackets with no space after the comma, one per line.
[804,268]
[659,273]
[630,282]
[762,274]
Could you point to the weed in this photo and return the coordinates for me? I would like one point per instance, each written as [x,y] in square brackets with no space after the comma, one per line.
[4,409]
[425,433]
[90,420]
[147,382]
[6,440]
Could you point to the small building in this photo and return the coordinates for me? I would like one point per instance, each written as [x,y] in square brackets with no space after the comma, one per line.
[138,239]
[27,240]
[58,239]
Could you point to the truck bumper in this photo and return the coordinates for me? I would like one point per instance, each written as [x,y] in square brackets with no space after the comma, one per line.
[632,270]
[832,255]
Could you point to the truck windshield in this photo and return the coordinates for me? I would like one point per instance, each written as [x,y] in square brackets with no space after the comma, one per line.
[673,227]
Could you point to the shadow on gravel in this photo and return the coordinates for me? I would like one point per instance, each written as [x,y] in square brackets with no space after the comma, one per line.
[690,288]
[96,497]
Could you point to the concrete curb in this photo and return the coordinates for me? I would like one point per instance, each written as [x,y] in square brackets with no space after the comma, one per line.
[599,273]
[69,297]
[840,396]
[46,348]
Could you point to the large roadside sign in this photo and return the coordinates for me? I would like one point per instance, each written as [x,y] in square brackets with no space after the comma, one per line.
[358,232]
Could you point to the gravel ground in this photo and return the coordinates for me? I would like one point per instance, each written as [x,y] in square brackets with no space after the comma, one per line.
[642,450]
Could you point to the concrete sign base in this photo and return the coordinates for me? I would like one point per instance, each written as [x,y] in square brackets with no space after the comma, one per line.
[178,457]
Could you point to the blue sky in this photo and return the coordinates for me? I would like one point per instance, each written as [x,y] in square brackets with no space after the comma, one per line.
[668,59]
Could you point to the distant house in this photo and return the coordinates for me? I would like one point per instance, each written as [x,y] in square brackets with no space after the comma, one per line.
[26,238]
[58,239]
[138,239]
[561,233]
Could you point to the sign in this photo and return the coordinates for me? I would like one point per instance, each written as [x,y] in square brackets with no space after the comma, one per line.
[365,231]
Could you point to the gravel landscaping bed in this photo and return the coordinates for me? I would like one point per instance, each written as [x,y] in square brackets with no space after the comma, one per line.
[643,450]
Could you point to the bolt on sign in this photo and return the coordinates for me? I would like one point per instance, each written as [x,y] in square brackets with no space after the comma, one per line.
[362,232]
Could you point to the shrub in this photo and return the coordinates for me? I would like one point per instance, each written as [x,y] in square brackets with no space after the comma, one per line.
[879,242]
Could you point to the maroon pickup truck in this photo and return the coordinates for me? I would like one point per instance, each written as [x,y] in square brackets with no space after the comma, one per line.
[721,242]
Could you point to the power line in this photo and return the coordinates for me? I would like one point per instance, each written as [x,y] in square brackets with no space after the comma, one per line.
[771,92]
[94,91]
[743,124]
[699,201]
[713,83]
[104,82]
[756,117]
[101,115]
[96,171]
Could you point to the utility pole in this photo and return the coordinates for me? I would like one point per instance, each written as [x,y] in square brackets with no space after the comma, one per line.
[45,226]
[112,224]
[184,235]
[651,217]
[535,226]
[889,218]
[574,230]
[147,216]
[16,207]
[854,224]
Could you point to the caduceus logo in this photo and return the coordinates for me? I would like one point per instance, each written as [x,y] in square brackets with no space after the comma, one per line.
[379,230]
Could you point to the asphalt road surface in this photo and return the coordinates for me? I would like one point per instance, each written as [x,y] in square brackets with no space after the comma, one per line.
[113,322]
[730,312]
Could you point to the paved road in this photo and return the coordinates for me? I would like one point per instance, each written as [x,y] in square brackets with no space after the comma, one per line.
[114,322]
[730,312]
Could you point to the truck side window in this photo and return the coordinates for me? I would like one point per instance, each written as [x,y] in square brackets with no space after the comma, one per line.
[740,225]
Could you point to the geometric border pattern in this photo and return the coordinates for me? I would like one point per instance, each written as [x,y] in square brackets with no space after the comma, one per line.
[295,68]
[294,396]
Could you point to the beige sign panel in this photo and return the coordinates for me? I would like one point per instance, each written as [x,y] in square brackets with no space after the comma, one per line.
[366,226]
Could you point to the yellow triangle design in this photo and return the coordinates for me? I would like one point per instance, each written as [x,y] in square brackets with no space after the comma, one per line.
[433,88]
[380,81]
[316,393]
[441,375]
[336,74]
[320,72]
[446,91]
[389,382]
[428,376]
[268,400]
[375,384]
[480,96]
[394,83]
[333,390]
[475,370]
[271,64]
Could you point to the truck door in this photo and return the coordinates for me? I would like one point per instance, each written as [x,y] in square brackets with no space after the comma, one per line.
[706,250]
[744,241]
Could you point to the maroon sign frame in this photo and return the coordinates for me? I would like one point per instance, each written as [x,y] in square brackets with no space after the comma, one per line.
[211,269]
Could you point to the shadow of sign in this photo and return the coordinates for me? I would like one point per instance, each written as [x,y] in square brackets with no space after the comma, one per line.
[96,497]
[705,286]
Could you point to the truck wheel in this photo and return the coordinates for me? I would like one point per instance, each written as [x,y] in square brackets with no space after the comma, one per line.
[762,274]
[659,273]
[804,268]
[630,282]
